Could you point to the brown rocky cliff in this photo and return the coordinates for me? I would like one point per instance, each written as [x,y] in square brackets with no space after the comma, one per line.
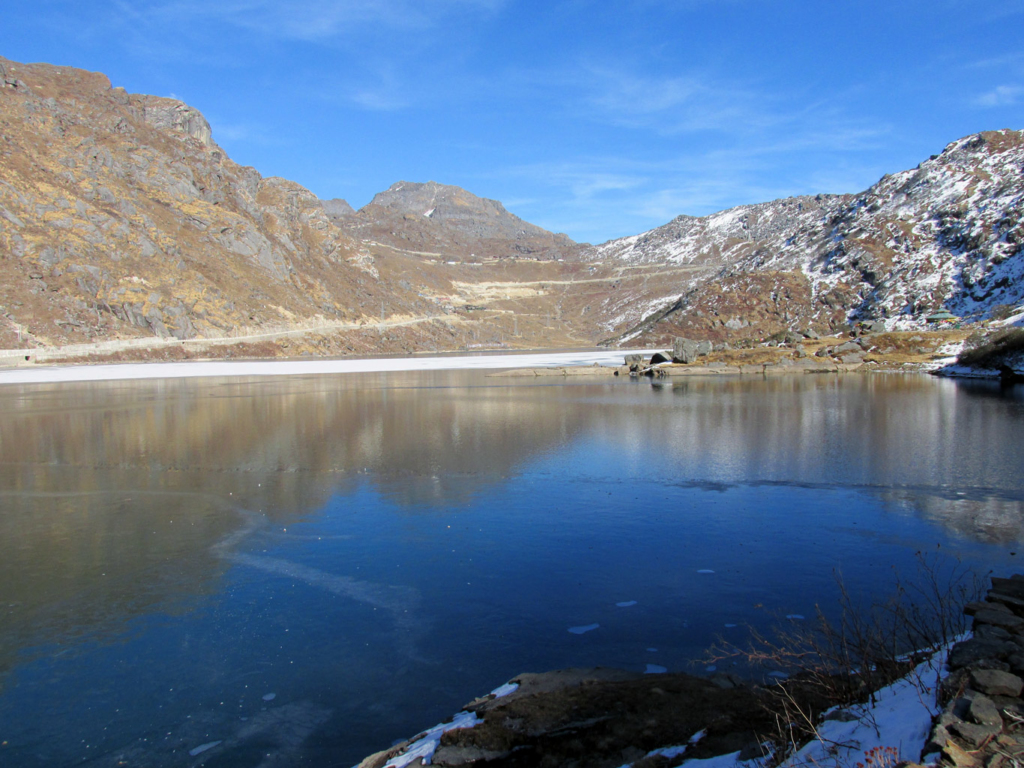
[120,216]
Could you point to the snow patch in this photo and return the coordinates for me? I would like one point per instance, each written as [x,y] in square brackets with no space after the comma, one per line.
[504,690]
[426,744]
[901,717]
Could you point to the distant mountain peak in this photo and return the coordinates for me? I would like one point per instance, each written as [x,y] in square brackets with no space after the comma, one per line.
[443,216]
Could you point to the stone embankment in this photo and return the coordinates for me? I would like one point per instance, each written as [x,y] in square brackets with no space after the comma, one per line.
[982,722]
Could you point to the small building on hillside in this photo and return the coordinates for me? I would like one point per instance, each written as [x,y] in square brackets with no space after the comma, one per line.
[942,316]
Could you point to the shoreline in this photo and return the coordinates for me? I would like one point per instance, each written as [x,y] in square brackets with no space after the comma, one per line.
[503,365]
[924,352]
[959,706]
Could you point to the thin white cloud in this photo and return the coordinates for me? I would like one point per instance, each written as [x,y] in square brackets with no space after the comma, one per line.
[383,100]
[1014,59]
[674,104]
[583,181]
[600,197]
[1001,96]
[703,101]
[317,20]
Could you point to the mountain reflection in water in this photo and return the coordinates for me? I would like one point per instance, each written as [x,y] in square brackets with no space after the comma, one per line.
[122,502]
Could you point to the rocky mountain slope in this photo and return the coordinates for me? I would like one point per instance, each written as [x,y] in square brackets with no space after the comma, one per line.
[121,218]
[947,234]
[449,222]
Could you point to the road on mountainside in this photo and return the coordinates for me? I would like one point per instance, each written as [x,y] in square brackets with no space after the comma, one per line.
[482,292]
[121,345]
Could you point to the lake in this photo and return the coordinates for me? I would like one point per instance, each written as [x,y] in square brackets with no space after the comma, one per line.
[301,570]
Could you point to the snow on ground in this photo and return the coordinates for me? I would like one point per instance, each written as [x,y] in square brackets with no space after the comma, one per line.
[40,374]
[1014,320]
[949,353]
[420,751]
[900,719]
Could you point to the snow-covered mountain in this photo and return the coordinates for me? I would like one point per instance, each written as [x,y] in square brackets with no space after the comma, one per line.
[947,234]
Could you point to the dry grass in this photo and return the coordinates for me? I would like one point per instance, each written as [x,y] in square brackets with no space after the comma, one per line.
[845,661]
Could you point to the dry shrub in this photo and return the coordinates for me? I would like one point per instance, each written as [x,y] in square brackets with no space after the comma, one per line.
[846,661]
[987,353]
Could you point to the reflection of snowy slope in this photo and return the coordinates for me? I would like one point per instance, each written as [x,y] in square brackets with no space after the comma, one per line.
[947,233]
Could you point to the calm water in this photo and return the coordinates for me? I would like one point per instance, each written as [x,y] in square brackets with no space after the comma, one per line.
[306,569]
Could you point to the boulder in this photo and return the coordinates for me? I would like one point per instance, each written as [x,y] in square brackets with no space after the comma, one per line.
[995,683]
[975,649]
[684,350]
[999,618]
[983,711]
[972,733]
[847,348]
[1012,587]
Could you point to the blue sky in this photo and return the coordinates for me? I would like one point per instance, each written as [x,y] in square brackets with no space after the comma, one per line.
[598,119]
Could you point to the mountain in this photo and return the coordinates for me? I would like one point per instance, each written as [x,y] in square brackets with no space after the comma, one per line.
[946,234]
[442,220]
[122,221]
[121,218]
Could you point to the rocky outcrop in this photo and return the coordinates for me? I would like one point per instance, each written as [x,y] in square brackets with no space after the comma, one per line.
[173,116]
[604,718]
[982,721]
